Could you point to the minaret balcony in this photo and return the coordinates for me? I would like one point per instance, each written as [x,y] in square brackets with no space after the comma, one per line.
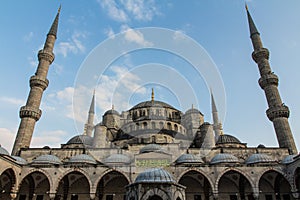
[27,111]
[259,54]
[36,81]
[46,55]
[268,79]
[277,112]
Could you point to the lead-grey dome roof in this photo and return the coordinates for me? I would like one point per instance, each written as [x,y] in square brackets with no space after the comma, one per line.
[151,148]
[288,159]
[147,104]
[192,111]
[81,139]
[259,158]
[20,160]
[154,175]
[82,158]
[47,159]
[188,158]
[111,112]
[3,151]
[228,139]
[117,159]
[224,158]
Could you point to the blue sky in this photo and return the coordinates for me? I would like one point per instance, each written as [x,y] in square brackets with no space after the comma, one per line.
[219,26]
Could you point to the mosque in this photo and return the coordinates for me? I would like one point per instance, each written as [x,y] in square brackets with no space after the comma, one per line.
[151,151]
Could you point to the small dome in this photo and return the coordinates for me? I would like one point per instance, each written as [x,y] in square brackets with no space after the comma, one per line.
[261,146]
[117,158]
[188,158]
[3,151]
[47,159]
[288,159]
[259,158]
[111,112]
[81,139]
[82,158]
[228,139]
[224,158]
[20,160]
[193,111]
[154,175]
[151,148]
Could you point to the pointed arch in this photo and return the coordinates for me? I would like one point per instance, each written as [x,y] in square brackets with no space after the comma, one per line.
[273,184]
[234,184]
[196,183]
[112,183]
[7,183]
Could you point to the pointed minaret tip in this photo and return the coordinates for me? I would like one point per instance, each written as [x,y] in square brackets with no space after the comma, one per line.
[112,106]
[92,106]
[252,27]
[54,26]
[246,6]
[213,103]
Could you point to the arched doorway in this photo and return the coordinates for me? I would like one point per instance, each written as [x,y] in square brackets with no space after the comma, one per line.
[34,186]
[7,181]
[73,186]
[112,186]
[197,185]
[273,185]
[234,186]
[155,197]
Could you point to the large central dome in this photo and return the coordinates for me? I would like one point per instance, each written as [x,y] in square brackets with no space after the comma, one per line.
[147,104]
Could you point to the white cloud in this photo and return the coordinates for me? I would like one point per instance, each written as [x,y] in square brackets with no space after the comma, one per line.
[13,101]
[7,137]
[179,35]
[114,11]
[28,37]
[135,36]
[140,9]
[123,10]
[73,45]
[109,32]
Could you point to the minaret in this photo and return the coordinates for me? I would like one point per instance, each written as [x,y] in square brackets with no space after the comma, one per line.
[217,126]
[31,113]
[277,112]
[89,126]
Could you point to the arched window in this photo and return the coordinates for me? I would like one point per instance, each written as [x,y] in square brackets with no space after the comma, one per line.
[169,126]
[145,124]
[161,125]
[153,139]
[176,127]
[153,125]
[137,126]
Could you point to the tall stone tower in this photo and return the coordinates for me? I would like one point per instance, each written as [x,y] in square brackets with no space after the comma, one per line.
[277,112]
[217,126]
[31,113]
[89,126]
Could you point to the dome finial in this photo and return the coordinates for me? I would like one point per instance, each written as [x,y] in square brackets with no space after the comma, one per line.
[112,106]
[152,95]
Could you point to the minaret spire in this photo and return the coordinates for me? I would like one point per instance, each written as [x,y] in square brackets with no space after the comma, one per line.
[31,113]
[217,126]
[89,126]
[277,112]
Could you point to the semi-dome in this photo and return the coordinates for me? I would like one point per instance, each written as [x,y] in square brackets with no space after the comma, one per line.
[224,158]
[188,158]
[288,159]
[147,104]
[151,148]
[111,112]
[259,158]
[20,160]
[154,175]
[81,139]
[117,159]
[82,158]
[193,111]
[47,159]
[3,151]
[228,139]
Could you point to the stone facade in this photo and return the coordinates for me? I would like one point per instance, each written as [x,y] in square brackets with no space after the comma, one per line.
[151,152]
